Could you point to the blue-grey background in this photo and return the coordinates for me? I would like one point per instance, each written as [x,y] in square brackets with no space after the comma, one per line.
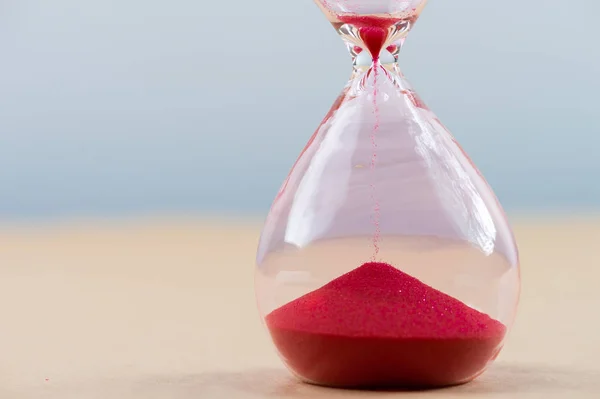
[132,107]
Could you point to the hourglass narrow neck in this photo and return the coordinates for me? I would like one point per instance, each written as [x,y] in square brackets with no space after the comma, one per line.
[374,39]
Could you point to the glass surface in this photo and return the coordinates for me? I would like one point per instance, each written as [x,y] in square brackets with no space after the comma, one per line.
[386,259]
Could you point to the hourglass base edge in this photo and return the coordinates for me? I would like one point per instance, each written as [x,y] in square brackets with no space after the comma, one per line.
[406,365]
[394,384]
[360,369]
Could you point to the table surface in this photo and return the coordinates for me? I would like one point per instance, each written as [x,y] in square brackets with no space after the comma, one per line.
[166,309]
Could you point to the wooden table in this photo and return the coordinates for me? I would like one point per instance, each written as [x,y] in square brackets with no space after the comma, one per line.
[165,309]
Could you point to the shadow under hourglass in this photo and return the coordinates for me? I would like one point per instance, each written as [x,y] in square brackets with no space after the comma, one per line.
[278,383]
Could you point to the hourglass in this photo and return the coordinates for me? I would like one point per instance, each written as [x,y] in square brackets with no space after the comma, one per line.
[386,259]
